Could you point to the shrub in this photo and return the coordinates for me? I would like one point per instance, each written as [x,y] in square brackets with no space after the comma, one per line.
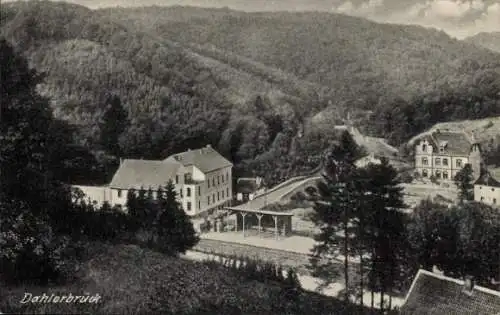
[30,250]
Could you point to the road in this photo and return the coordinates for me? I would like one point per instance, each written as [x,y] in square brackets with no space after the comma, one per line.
[275,195]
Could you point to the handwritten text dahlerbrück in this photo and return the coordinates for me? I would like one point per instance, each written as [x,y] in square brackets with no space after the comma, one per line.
[70,298]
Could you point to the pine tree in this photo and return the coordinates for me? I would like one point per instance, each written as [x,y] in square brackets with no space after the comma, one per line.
[463,180]
[384,226]
[335,209]
[176,233]
[114,123]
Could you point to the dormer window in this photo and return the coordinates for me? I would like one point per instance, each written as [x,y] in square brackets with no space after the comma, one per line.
[424,147]
[441,149]
[459,163]
[424,161]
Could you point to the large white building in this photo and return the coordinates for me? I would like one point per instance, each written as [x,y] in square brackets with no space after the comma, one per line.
[202,178]
[444,154]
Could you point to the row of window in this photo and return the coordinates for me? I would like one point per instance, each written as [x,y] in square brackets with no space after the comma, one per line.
[437,162]
[219,177]
[494,200]
[219,194]
[189,206]
[438,174]
[424,148]
[188,192]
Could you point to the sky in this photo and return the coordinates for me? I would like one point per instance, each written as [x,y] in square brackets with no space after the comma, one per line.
[458,18]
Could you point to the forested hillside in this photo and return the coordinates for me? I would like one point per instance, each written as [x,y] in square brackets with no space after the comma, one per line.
[408,77]
[175,97]
[487,40]
[251,84]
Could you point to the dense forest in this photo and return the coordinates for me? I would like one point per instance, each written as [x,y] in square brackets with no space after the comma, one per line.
[488,40]
[264,88]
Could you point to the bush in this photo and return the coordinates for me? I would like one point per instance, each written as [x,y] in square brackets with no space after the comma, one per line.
[30,250]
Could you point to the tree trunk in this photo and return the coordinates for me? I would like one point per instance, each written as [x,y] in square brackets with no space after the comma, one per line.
[346,256]
[361,282]
[382,296]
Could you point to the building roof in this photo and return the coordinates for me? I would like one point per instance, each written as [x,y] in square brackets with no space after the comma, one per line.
[136,174]
[205,159]
[455,143]
[488,177]
[431,293]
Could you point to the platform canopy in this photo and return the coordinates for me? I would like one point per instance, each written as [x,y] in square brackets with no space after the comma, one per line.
[280,218]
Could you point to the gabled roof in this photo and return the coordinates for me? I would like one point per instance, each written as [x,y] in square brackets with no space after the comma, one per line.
[431,293]
[136,174]
[454,143]
[488,178]
[205,159]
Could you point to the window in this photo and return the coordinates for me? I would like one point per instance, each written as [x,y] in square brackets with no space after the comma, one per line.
[199,190]
[119,193]
[441,149]
[227,192]
[187,177]
[213,197]
[459,163]
[227,176]
[222,179]
[208,199]
[492,189]
[445,162]
[424,173]
[438,174]
[188,192]
[494,200]
[445,175]
[208,182]
[213,181]
[218,196]
[199,205]
[438,161]
[424,147]
[181,193]
[424,161]
[176,179]
[218,179]
[188,206]
[223,192]
[482,198]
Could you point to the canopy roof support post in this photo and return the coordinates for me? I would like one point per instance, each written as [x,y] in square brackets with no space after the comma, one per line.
[259,217]
[243,215]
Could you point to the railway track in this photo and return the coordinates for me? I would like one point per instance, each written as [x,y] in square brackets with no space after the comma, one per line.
[283,257]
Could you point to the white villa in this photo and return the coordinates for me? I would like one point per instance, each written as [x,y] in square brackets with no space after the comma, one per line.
[444,154]
[202,178]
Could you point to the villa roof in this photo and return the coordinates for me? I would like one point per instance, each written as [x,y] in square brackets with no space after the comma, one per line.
[205,159]
[488,177]
[455,143]
[136,174]
[431,293]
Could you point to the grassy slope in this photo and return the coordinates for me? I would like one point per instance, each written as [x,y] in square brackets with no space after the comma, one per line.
[487,40]
[136,281]
[485,130]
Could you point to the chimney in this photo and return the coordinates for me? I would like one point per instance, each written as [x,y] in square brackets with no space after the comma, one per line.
[468,284]
[436,270]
